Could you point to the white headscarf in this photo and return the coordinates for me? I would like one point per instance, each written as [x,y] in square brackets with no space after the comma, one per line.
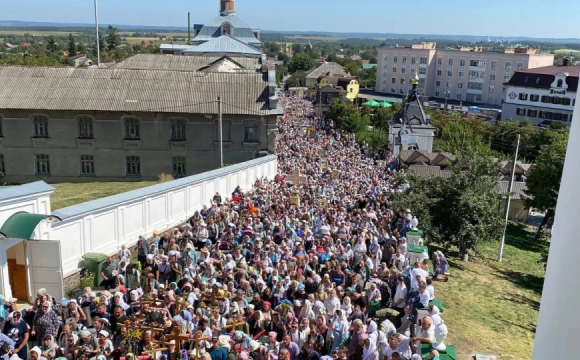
[434,315]
[368,352]
[121,303]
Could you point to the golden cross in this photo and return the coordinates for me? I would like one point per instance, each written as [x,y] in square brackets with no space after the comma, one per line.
[177,336]
[197,339]
[296,178]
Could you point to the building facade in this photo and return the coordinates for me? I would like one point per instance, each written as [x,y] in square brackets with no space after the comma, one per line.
[62,124]
[542,95]
[465,74]
[330,69]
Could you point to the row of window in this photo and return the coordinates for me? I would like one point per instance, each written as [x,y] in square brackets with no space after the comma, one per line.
[422,60]
[546,99]
[548,115]
[132,128]
[87,165]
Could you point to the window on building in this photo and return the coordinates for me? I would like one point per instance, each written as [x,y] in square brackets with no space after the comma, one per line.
[178,128]
[546,99]
[422,71]
[178,166]
[556,100]
[439,61]
[226,29]
[437,83]
[508,66]
[403,70]
[565,117]
[490,99]
[394,70]
[85,124]
[438,72]
[423,60]
[477,63]
[532,113]
[490,89]
[506,79]
[538,80]
[534,97]
[557,116]
[521,111]
[450,62]
[461,74]
[87,164]
[402,81]
[460,86]
[494,64]
[462,62]
[393,81]
[252,132]
[412,60]
[42,164]
[448,85]
[393,90]
[526,79]
[404,59]
[132,128]
[436,93]
[402,91]
[492,77]
[133,165]
[458,97]
[2,166]
[40,126]
[566,101]
[523,96]
[422,83]
[328,98]
[519,66]
[475,86]
[560,83]
[386,58]
[449,73]
[395,59]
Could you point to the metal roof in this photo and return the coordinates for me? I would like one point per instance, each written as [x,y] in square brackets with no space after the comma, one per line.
[330,68]
[21,225]
[37,187]
[150,191]
[239,29]
[126,90]
[181,63]
[223,44]
[518,190]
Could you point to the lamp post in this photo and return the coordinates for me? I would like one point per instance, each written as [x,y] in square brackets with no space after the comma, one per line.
[98,39]
[446,98]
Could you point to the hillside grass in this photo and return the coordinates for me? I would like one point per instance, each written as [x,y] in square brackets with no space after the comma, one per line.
[67,194]
[492,307]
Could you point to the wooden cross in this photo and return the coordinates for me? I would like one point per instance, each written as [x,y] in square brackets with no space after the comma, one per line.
[321,153]
[296,178]
[177,336]
[233,325]
[334,174]
[154,350]
[197,339]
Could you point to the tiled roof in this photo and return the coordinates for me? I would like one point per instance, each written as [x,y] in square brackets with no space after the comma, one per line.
[330,68]
[224,44]
[51,88]
[181,63]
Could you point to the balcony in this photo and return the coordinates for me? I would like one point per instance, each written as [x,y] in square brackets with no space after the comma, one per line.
[475,91]
[476,80]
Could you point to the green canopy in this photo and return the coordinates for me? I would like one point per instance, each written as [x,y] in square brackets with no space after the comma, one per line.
[21,225]
[372,103]
[386,104]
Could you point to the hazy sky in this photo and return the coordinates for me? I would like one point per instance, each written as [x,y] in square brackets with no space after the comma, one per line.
[535,18]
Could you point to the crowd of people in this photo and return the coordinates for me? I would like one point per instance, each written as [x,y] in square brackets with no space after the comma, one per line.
[296,268]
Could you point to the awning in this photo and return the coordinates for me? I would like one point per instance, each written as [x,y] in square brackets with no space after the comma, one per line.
[21,225]
[390,99]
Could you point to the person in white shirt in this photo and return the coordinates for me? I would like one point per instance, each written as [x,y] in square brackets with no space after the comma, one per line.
[422,301]
[427,333]
[417,271]
[332,304]
[398,260]
[400,294]
[398,344]
[430,288]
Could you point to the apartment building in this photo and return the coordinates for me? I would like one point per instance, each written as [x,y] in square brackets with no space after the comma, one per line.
[465,74]
[542,95]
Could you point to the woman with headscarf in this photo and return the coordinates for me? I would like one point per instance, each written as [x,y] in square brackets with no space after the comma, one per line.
[17,329]
[369,348]
[434,314]
[256,323]
[118,300]
[169,303]
[346,306]
[338,330]
[306,312]
[45,322]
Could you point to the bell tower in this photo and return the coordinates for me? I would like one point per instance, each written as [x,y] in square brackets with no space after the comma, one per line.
[227,7]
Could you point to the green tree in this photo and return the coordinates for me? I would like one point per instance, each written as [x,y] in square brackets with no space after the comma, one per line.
[72,45]
[295,80]
[113,39]
[297,49]
[347,116]
[301,62]
[460,211]
[544,178]
[51,45]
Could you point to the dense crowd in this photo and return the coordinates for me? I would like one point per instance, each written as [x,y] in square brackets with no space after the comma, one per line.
[297,268]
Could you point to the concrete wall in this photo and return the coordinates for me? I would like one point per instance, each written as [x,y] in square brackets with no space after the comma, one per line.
[509,112]
[201,148]
[104,225]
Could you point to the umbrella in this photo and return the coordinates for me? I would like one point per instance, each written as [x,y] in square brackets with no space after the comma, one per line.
[386,104]
[372,103]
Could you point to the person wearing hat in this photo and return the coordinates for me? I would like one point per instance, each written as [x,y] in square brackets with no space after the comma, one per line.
[86,345]
[36,354]
[217,352]
[105,345]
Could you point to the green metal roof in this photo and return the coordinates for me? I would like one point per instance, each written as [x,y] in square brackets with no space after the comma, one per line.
[21,225]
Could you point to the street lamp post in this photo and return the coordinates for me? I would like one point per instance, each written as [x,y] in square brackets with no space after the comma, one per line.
[446,98]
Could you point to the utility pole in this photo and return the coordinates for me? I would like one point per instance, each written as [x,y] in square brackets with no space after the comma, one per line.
[507,203]
[188,28]
[98,38]
[219,103]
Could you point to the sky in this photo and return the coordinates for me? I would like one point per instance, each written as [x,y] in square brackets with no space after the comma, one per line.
[494,18]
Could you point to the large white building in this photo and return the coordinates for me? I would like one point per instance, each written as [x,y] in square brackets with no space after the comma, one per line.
[541,95]
[465,74]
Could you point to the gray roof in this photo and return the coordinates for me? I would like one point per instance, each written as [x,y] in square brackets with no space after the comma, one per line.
[330,68]
[240,29]
[181,63]
[426,170]
[124,90]
[518,190]
[412,112]
[223,44]
[151,191]
[37,187]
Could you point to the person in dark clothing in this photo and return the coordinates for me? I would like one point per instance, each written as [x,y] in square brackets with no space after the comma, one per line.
[142,250]
[109,272]
[118,318]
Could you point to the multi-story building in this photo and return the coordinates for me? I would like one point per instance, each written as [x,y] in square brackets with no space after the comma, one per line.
[465,74]
[541,95]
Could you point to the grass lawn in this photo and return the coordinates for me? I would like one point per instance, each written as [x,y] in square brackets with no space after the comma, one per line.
[67,194]
[492,307]
[567,51]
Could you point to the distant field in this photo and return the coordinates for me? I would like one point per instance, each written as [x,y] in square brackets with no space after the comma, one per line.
[321,38]
[36,33]
[567,51]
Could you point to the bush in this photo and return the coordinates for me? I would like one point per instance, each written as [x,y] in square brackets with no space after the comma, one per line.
[377,139]
[165,177]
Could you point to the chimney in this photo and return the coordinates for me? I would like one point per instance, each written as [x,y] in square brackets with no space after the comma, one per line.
[227,7]
[565,61]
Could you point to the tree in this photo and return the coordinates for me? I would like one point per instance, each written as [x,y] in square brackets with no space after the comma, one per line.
[113,39]
[457,135]
[460,211]
[295,80]
[300,62]
[544,178]
[51,45]
[347,116]
[296,49]
[72,45]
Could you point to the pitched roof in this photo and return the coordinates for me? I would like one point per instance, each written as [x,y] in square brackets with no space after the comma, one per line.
[418,153]
[124,90]
[182,63]
[327,69]
[543,77]
[426,170]
[412,112]
[441,157]
[239,29]
[518,190]
[223,44]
